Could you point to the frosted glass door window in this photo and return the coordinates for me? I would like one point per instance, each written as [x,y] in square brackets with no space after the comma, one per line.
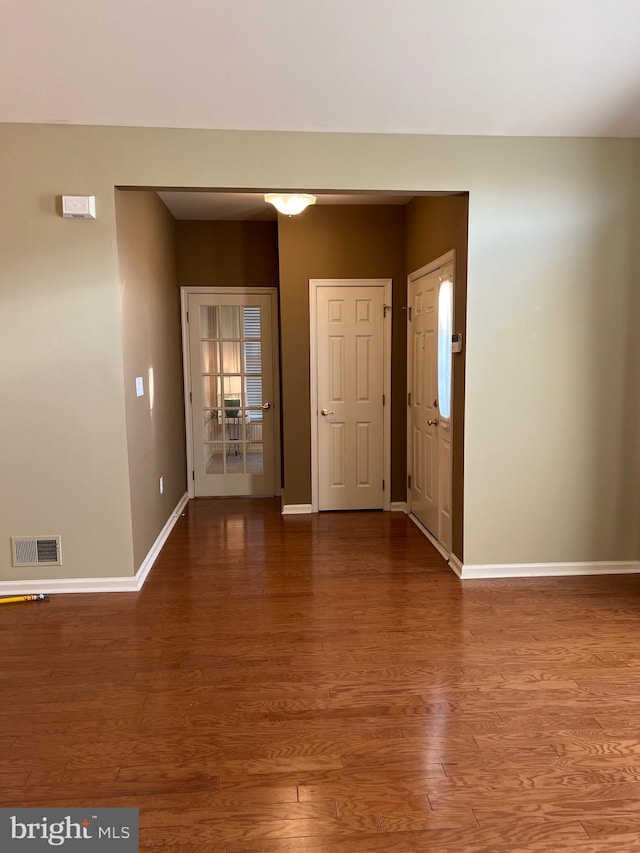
[445,329]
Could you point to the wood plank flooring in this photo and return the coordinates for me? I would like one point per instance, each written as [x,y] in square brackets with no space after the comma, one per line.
[313,684]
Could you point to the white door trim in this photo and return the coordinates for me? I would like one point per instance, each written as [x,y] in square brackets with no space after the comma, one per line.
[314,284]
[432,266]
[272,292]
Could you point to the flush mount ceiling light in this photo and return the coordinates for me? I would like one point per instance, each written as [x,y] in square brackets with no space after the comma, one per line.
[290,203]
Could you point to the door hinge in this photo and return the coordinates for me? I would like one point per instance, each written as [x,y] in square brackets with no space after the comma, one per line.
[187,316]
[409,398]
[193,475]
[190,397]
[383,485]
[384,400]
[409,481]
[410,312]
[385,308]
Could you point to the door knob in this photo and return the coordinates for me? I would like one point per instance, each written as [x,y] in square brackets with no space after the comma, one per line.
[326,412]
[265,405]
[433,422]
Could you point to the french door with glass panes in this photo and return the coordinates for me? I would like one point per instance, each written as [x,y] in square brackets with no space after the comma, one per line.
[231,393]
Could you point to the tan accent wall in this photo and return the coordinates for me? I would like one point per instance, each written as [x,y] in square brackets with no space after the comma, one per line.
[151,347]
[227,254]
[552,382]
[435,225]
[335,242]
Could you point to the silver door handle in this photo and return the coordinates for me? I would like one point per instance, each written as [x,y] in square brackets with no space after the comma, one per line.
[326,412]
[265,405]
[433,422]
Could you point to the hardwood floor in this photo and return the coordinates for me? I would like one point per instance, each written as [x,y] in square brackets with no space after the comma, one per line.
[313,684]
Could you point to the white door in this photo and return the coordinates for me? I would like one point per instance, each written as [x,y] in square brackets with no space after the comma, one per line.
[232,403]
[430,297]
[350,363]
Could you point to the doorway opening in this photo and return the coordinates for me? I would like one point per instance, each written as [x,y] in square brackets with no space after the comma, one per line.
[231,240]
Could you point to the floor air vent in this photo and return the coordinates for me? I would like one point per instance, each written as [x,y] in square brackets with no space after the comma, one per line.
[36,550]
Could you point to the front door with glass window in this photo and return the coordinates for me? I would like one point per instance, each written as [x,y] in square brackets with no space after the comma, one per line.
[430,298]
[232,400]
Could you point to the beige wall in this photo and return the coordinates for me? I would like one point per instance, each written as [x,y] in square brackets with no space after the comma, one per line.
[551,460]
[64,446]
[227,254]
[335,242]
[151,345]
[435,225]
[551,285]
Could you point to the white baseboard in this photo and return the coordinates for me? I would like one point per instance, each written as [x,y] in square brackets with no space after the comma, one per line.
[455,565]
[398,506]
[149,560]
[115,584]
[297,509]
[60,586]
[545,570]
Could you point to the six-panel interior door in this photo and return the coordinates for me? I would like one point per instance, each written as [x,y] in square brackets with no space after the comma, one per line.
[429,411]
[350,367]
[231,394]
